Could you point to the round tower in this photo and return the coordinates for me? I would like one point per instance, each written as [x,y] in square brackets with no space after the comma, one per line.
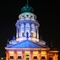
[26,25]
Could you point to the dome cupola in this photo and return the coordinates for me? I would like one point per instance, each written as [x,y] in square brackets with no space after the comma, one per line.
[27,8]
[27,13]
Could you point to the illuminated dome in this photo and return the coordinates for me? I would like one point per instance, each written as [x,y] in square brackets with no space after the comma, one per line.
[27,13]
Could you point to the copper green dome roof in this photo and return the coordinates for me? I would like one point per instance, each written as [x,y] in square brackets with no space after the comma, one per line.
[27,8]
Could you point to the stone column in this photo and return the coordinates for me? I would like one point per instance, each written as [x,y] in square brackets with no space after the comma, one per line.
[24,30]
[30,32]
[34,31]
[23,55]
[19,31]
[56,57]
[39,56]
[16,32]
[15,56]
[46,57]
[31,55]
[37,33]
[7,56]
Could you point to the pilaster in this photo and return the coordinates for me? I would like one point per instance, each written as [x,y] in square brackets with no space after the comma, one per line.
[15,56]
[23,55]
[7,56]
[16,32]
[31,57]
[39,55]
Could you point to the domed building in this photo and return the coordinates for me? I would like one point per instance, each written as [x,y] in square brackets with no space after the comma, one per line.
[27,45]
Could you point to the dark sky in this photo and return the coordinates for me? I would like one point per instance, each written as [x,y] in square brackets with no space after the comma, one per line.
[47,13]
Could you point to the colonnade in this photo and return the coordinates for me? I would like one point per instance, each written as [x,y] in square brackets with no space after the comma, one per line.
[33,31]
[30,55]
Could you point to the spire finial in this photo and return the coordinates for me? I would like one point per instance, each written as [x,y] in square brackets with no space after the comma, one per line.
[27,1]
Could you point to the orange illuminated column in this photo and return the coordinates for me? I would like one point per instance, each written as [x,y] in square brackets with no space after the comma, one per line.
[39,55]
[15,55]
[7,56]
[31,55]
[46,56]
[22,55]
[43,54]
[56,57]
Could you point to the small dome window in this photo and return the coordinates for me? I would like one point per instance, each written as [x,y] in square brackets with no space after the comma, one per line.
[27,15]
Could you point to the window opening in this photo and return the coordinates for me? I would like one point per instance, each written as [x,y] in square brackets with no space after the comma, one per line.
[11,57]
[35,57]
[19,57]
[50,58]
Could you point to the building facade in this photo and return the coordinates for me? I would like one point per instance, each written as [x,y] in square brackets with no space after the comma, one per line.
[27,45]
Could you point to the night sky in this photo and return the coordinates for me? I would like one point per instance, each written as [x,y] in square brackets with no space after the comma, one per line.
[47,13]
